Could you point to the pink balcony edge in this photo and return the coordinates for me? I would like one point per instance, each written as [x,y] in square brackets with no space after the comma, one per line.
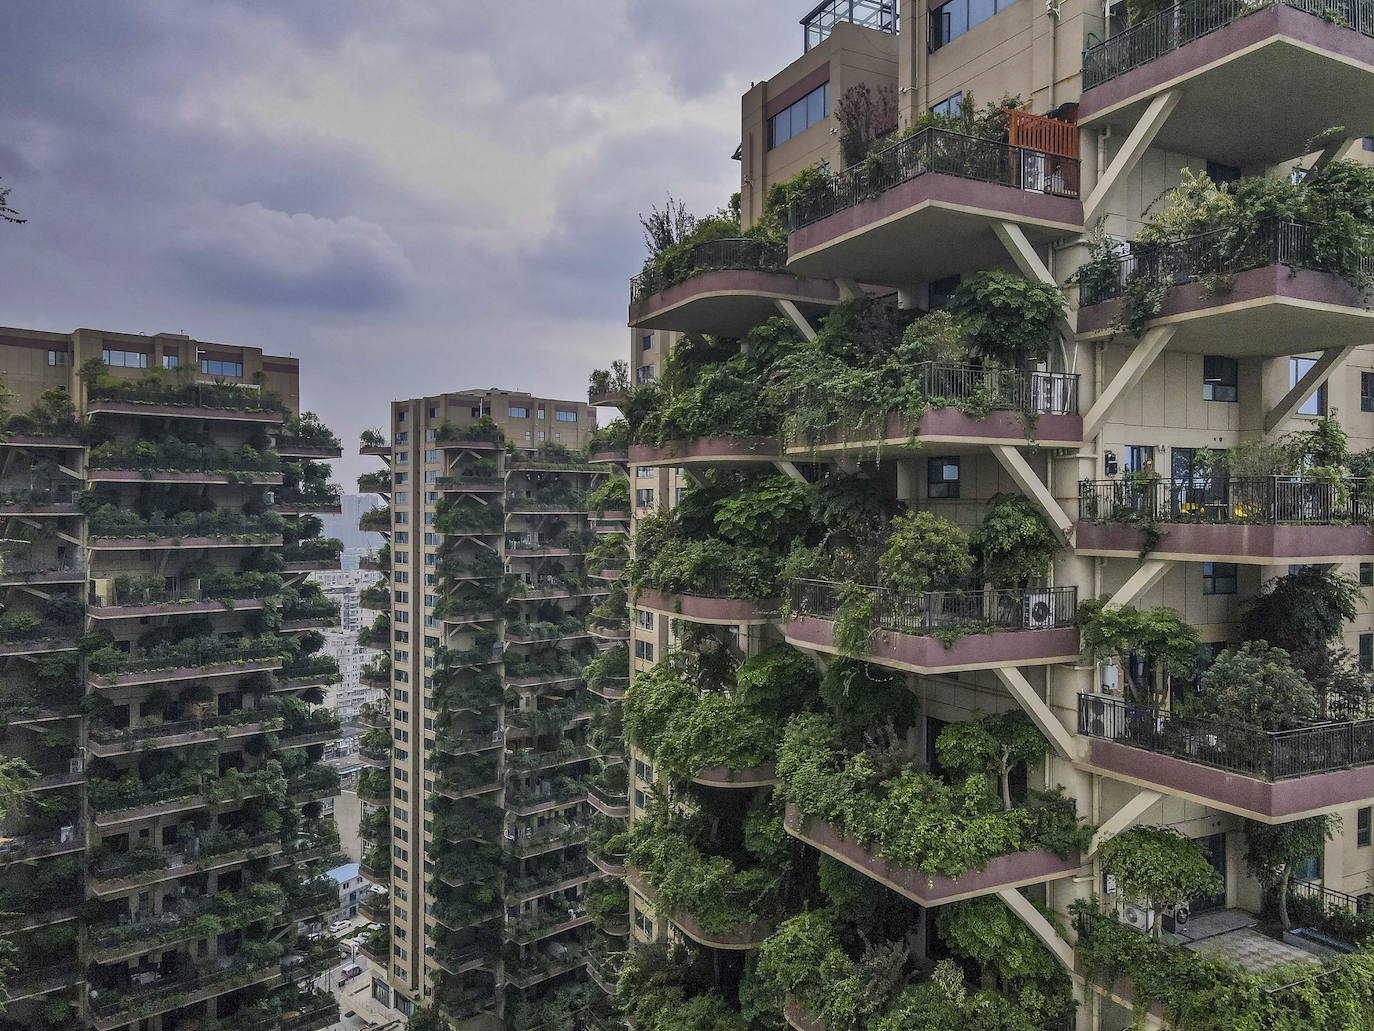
[1255,544]
[742,777]
[708,610]
[709,449]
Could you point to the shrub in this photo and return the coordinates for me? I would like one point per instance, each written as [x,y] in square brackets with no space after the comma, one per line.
[924,551]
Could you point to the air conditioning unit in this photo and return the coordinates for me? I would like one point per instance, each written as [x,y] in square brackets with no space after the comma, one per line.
[1041,610]
[1176,919]
[76,765]
[271,497]
[1139,917]
[67,834]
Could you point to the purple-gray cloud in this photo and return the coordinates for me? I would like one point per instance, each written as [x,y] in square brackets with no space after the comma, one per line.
[410,196]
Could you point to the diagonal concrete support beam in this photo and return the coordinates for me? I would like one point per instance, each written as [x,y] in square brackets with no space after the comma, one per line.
[1140,581]
[1036,708]
[1030,483]
[1138,363]
[789,469]
[1130,153]
[790,309]
[1039,926]
[1124,818]
[1312,379]
[849,289]
[1333,150]
[1030,265]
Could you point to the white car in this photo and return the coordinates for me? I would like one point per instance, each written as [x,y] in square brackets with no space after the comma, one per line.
[339,925]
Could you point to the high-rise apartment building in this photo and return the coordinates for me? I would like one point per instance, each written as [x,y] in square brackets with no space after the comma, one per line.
[164,866]
[967,481]
[481,767]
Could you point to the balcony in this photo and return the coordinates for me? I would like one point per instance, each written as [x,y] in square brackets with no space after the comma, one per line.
[724,287]
[253,477]
[117,1007]
[29,984]
[226,666]
[37,502]
[50,638]
[1020,408]
[1268,520]
[120,874]
[1283,296]
[735,939]
[930,209]
[612,802]
[163,603]
[742,777]
[1011,871]
[706,608]
[1220,56]
[984,629]
[732,451]
[881,15]
[38,571]
[1270,776]
[24,848]
[109,741]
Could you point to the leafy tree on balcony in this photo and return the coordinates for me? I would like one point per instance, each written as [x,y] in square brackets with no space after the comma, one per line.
[1160,636]
[1257,686]
[615,380]
[614,436]
[52,415]
[992,746]
[1160,867]
[1273,852]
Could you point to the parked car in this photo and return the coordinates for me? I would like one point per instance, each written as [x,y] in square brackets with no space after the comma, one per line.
[349,973]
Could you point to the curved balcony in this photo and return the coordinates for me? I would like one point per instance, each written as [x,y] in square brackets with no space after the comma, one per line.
[106,742]
[932,209]
[1013,871]
[611,866]
[610,688]
[155,543]
[1224,57]
[184,410]
[743,777]
[615,804]
[1282,297]
[1038,408]
[292,449]
[984,629]
[1268,520]
[614,456]
[799,1019]
[725,287]
[710,451]
[255,478]
[705,608]
[210,669]
[734,940]
[1269,776]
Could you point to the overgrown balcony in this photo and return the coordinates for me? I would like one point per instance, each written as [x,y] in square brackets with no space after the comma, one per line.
[377,520]
[1218,56]
[37,501]
[610,387]
[1264,288]
[935,631]
[193,658]
[925,207]
[112,528]
[129,1003]
[314,553]
[107,741]
[957,405]
[157,397]
[114,941]
[725,286]
[1266,520]
[710,451]
[1268,775]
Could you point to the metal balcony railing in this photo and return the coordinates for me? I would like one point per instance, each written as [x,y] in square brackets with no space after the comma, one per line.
[1033,608]
[1266,754]
[710,256]
[873,14]
[947,153]
[1251,500]
[1040,393]
[1176,26]
[1268,241]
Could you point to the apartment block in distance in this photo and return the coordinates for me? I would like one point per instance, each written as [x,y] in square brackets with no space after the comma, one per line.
[482,763]
[973,537]
[165,868]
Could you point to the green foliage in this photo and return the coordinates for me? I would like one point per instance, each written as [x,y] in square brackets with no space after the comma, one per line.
[15,777]
[1159,866]
[776,682]
[925,552]
[1272,851]
[1160,633]
[1014,542]
[861,695]
[1258,686]
[853,619]
[852,502]
[991,746]
[766,514]
[611,495]
[1006,318]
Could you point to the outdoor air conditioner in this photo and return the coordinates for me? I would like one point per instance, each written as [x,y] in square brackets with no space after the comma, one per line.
[1176,919]
[1040,610]
[271,497]
[75,765]
[67,834]
[1139,917]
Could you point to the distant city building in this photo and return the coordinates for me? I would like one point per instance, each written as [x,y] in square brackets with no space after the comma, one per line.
[351,888]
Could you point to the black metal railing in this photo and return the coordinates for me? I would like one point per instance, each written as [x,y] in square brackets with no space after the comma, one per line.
[945,152]
[873,14]
[1041,393]
[1329,898]
[931,612]
[1252,500]
[710,256]
[1176,26]
[1221,252]
[1250,751]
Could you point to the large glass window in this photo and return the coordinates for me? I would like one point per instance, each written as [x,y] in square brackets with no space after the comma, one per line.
[215,367]
[950,21]
[799,116]
[1219,577]
[942,477]
[124,359]
[1297,369]
[518,413]
[1219,376]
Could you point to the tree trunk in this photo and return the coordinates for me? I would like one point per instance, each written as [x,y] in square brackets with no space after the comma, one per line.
[1285,918]
[1004,773]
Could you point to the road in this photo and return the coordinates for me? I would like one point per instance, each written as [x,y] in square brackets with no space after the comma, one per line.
[357,1009]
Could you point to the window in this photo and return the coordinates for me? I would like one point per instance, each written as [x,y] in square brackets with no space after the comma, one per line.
[433,412]
[1363,819]
[644,497]
[1219,578]
[644,619]
[1367,652]
[1297,369]
[1218,378]
[644,771]
[565,416]
[644,374]
[57,357]
[1367,574]
[1221,174]
[124,359]
[1367,143]
[218,367]
[645,925]
[431,456]
[646,342]
[949,107]
[940,292]
[516,412]
[1367,391]
[541,434]
[646,472]
[798,117]
[950,21]
[644,650]
[170,361]
[942,477]
[403,437]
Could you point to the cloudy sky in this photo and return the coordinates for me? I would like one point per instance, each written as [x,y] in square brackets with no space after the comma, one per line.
[409,195]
